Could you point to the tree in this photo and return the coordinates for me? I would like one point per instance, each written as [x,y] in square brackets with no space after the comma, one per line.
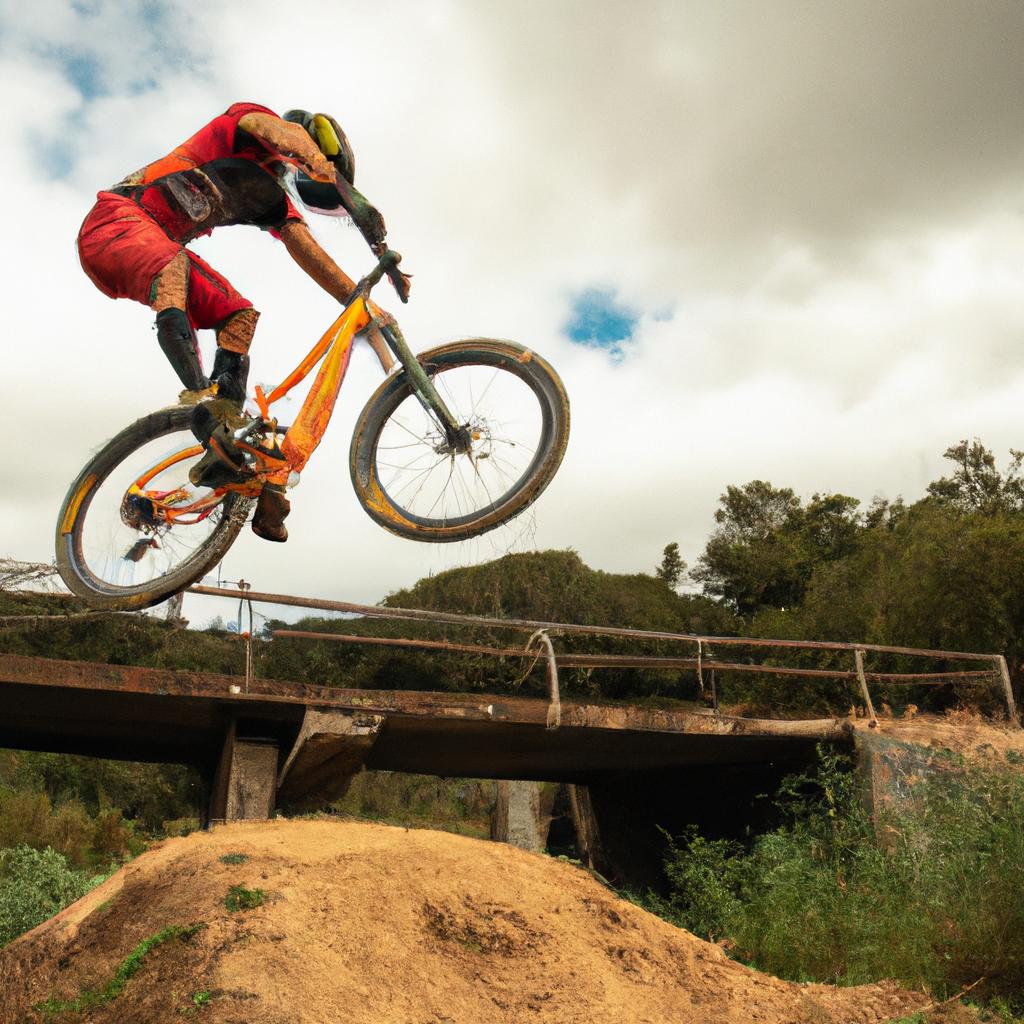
[977,485]
[672,566]
[767,544]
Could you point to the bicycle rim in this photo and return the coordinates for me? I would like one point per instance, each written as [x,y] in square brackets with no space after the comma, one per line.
[513,406]
[111,549]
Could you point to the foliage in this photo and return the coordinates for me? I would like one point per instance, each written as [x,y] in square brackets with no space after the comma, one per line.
[128,968]
[234,858]
[241,898]
[930,896]
[767,543]
[546,586]
[34,885]
[451,805]
[977,485]
[27,818]
[672,566]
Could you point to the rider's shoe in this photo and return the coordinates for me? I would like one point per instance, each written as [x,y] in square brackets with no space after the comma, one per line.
[223,463]
[272,509]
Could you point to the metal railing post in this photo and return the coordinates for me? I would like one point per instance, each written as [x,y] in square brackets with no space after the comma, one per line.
[858,657]
[1004,675]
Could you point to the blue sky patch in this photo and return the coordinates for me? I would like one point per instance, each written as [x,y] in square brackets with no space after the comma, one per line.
[598,320]
[83,69]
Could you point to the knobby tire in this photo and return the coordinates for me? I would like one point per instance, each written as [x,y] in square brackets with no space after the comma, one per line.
[505,356]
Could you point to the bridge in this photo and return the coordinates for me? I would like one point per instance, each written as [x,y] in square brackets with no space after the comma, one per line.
[260,744]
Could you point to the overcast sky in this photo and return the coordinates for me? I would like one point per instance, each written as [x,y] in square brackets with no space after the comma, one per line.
[770,240]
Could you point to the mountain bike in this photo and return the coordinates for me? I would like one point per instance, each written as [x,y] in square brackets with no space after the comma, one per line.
[454,442]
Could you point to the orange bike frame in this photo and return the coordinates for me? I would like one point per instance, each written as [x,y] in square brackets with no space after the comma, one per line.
[300,440]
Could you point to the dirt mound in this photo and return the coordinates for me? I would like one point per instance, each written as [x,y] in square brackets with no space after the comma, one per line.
[963,732]
[367,923]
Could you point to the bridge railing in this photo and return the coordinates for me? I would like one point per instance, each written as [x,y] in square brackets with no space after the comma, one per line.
[702,660]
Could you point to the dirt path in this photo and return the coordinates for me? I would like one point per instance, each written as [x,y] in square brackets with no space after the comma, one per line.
[368,924]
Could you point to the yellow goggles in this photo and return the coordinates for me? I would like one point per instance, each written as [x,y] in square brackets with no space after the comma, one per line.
[326,137]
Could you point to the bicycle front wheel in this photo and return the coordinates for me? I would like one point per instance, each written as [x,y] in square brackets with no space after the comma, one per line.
[517,413]
[133,530]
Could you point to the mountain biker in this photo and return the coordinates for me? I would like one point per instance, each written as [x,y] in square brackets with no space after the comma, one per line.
[232,171]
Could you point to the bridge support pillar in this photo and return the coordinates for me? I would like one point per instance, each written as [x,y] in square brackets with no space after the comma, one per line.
[245,783]
[518,818]
[588,834]
[331,748]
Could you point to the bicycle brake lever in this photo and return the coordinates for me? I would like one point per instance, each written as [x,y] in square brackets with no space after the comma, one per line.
[401,283]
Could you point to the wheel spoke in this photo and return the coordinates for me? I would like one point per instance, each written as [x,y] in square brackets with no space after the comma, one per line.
[119,542]
[508,406]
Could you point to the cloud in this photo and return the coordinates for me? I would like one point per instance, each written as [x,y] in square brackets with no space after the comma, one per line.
[827,199]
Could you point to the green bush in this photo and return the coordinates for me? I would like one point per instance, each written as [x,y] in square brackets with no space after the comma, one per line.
[451,805]
[34,885]
[930,896]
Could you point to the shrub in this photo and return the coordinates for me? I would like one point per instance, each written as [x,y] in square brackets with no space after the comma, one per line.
[930,896]
[111,834]
[34,885]
[24,818]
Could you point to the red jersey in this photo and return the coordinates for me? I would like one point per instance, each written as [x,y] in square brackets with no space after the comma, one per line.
[222,175]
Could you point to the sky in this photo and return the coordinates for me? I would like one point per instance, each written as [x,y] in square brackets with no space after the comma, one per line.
[777,240]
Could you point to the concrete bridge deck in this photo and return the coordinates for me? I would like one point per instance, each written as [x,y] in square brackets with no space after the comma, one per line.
[146,714]
[629,769]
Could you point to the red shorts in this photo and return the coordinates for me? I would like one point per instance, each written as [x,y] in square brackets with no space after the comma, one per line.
[122,249]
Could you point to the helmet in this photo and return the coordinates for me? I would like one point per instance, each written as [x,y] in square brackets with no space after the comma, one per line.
[327,134]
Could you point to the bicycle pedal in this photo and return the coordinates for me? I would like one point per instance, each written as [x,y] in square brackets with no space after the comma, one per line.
[217,469]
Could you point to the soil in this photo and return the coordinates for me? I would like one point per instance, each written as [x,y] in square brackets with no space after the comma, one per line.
[370,924]
[964,732]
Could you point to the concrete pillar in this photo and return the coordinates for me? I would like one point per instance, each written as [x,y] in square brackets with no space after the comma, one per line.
[588,834]
[516,818]
[330,749]
[245,784]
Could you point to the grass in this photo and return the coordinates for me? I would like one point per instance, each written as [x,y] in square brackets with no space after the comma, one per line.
[929,896]
[130,966]
[240,898]
[234,858]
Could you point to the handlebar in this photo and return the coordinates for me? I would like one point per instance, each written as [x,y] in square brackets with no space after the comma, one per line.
[386,264]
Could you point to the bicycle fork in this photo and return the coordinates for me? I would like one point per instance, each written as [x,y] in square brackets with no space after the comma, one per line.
[458,439]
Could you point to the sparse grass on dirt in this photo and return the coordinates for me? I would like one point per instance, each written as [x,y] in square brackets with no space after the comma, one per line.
[130,966]
[372,923]
[234,858]
[241,898]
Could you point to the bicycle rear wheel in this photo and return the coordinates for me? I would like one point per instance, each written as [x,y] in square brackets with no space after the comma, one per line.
[517,413]
[111,550]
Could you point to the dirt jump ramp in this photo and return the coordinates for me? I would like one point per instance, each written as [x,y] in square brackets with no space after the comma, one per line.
[368,924]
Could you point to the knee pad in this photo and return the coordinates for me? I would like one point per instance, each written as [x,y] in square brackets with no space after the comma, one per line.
[235,333]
